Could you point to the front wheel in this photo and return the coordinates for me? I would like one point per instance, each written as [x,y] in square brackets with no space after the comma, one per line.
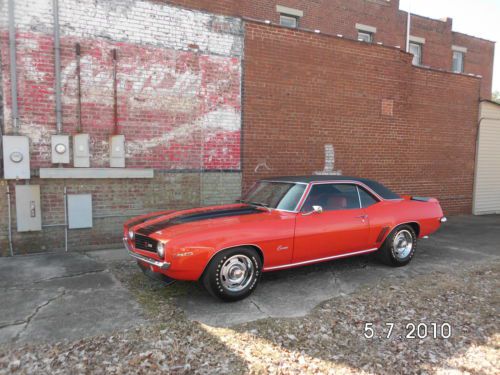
[399,246]
[233,274]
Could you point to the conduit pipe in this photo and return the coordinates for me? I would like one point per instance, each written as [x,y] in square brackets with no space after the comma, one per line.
[79,90]
[13,67]
[57,66]
[116,129]
[9,216]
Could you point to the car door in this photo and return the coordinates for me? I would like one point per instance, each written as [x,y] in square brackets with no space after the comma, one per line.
[343,226]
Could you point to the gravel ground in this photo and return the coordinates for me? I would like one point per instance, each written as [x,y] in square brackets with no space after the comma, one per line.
[329,340]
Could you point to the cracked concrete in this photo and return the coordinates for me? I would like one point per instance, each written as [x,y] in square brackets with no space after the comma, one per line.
[53,297]
[464,241]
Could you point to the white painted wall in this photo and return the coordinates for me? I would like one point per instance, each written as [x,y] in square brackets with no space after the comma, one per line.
[487,181]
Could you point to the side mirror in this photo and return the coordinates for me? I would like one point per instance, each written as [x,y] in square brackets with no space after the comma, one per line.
[315,210]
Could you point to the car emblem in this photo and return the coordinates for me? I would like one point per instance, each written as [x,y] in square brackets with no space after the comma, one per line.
[282,248]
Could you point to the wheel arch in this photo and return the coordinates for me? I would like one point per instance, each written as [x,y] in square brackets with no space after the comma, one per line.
[251,246]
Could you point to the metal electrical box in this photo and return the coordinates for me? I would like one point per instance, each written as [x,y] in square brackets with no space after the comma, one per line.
[16,157]
[117,151]
[79,211]
[60,149]
[81,153]
[28,211]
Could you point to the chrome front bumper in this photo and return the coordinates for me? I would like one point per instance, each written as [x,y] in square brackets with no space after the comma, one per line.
[153,262]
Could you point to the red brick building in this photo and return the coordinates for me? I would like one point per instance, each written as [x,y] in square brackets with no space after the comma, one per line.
[206,102]
[379,20]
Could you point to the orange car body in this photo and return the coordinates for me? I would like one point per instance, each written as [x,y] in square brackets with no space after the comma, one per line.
[283,239]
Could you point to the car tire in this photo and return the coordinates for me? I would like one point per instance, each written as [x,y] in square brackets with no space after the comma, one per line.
[233,274]
[399,246]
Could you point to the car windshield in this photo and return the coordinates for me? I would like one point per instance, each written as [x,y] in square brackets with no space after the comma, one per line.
[279,195]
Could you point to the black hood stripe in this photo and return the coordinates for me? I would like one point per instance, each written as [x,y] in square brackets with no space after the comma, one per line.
[197,216]
[144,219]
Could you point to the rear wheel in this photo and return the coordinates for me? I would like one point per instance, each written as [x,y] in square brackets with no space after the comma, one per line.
[233,274]
[399,247]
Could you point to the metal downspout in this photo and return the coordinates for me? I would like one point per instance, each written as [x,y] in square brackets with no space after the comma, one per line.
[57,66]
[13,67]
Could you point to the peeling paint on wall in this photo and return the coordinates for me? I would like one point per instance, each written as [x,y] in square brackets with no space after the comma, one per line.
[178,76]
[329,169]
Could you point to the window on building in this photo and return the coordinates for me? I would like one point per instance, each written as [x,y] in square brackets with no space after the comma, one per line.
[458,62]
[416,50]
[289,21]
[365,36]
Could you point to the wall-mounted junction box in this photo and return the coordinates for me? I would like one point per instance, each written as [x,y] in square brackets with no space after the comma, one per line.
[81,153]
[60,149]
[79,211]
[28,211]
[16,157]
[117,151]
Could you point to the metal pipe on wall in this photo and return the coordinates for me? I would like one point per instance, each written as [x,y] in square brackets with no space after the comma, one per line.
[116,129]
[79,90]
[13,67]
[65,219]
[9,216]
[57,66]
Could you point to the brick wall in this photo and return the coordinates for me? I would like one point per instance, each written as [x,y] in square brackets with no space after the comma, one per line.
[411,128]
[179,107]
[340,17]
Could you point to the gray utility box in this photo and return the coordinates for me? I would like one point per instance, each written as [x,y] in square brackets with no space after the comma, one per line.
[16,157]
[81,151]
[28,211]
[79,211]
[60,149]
[117,151]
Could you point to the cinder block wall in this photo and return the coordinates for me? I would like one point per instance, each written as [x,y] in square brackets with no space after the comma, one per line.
[411,128]
[179,107]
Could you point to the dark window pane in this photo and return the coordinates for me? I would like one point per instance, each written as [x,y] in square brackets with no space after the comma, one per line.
[367,199]
[332,197]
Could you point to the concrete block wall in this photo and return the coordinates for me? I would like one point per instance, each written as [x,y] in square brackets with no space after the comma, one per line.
[179,107]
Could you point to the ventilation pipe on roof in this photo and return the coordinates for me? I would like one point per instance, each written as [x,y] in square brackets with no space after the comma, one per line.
[57,66]
[13,67]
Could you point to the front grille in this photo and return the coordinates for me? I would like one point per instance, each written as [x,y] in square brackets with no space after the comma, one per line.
[145,243]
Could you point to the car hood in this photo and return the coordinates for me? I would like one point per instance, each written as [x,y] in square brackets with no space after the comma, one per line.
[187,220]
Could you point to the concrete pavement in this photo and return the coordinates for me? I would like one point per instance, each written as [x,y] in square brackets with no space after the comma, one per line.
[51,297]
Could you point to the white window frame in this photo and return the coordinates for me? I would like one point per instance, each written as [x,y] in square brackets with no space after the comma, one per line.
[366,33]
[459,69]
[289,18]
[366,30]
[421,48]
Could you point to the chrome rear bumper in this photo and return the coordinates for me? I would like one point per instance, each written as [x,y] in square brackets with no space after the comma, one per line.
[443,219]
[153,262]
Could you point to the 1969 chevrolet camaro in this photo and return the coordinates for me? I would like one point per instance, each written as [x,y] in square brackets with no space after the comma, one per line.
[281,223]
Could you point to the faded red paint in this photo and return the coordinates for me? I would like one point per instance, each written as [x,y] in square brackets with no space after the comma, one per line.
[177,109]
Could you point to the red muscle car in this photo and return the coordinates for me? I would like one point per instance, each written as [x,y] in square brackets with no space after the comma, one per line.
[281,223]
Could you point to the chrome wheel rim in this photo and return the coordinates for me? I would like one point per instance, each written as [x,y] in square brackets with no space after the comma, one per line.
[403,244]
[236,273]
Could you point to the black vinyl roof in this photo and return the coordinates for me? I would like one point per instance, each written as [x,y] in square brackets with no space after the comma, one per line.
[377,187]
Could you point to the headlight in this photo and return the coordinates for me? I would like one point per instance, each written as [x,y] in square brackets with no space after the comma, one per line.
[160,249]
[131,234]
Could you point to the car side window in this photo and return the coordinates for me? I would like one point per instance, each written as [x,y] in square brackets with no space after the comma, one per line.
[332,197]
[367,199]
